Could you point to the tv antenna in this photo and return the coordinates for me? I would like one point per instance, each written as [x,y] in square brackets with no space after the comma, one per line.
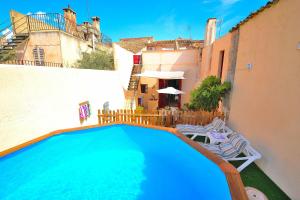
[87,9]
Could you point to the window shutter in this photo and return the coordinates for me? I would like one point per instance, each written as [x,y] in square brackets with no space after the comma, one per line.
[39,56]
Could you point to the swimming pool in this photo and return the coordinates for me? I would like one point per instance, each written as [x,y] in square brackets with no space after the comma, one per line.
[114,162]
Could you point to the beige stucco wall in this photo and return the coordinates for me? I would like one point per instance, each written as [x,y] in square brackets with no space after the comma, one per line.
[37,100]
[59,47]
[210,58]
[72,48]
[265,99]
[49,41]
[22,23]
[19,21]
[179,60]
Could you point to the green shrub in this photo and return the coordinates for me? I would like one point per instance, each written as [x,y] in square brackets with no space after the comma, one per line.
[7,55]
[208,95]
[101,60]
[139,108]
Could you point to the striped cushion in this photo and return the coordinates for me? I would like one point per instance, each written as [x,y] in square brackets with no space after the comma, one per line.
[238,142]
[233,147]
[216,124]
[213,148]
[190,129]
[228,151]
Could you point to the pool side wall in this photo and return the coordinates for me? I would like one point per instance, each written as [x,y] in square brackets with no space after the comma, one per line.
[234,180]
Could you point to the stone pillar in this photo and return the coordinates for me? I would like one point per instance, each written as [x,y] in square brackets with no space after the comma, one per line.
[70,20]
[210,31]
[96,26]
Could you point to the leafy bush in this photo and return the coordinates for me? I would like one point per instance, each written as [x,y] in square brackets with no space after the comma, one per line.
[139,109]
[101,60]
[7,55]
[208,95]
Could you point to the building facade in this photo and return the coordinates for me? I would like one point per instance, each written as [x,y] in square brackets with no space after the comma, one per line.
[177,64]
[261,57]
[146,66]
[51,38]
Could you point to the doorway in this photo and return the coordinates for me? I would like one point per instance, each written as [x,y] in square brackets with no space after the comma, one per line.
[169,99]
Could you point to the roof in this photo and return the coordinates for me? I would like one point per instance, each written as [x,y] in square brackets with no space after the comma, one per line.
[180,41]
[267,5]
[134,44]
[137,39]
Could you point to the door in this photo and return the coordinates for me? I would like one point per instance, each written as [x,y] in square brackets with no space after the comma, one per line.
[161,97]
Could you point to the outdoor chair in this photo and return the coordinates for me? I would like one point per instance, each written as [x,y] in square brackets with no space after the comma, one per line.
[237,148]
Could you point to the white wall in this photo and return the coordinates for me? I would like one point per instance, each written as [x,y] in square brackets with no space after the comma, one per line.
[123,64]
[72,48]
[37,100]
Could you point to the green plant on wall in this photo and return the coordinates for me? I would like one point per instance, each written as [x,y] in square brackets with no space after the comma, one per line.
[99,59]
[208,95]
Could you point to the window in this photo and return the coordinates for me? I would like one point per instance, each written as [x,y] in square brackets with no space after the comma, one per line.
[39,56]
[221,63]
[144,88]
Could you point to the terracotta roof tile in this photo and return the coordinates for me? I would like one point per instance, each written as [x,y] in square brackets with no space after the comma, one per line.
[181,42]
[134,44]
[267,5]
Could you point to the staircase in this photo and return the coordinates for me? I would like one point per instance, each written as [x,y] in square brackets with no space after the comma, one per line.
[134,80]
[13,34]
[133,85]
[12,43]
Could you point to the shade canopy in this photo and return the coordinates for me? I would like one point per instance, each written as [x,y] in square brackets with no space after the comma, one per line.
[170,90]
[162,74]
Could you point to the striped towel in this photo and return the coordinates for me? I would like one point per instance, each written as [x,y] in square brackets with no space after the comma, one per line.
[84,111]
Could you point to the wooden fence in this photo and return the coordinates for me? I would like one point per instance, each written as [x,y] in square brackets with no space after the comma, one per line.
[158,118]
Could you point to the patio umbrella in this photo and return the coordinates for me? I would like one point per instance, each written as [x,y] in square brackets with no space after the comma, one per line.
[170,90]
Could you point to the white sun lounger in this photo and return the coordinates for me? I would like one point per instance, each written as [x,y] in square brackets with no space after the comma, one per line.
[196,130]
[237,148]
[216,124]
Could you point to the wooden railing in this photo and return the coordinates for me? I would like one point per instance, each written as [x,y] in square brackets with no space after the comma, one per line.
[158,118]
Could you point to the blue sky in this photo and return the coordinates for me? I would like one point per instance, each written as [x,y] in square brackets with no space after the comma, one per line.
[163,19]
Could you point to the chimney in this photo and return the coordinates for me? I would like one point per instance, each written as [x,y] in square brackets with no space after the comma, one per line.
[210,32]
[70,16]
[96,24]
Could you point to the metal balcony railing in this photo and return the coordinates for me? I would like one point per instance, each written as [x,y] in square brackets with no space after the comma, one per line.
[45,22]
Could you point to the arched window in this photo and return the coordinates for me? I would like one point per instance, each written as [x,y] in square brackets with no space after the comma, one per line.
[39,56]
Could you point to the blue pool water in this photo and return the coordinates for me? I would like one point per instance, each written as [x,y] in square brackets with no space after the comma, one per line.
[119,162]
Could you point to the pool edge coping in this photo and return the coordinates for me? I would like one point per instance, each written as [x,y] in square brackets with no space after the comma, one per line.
[234,180]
